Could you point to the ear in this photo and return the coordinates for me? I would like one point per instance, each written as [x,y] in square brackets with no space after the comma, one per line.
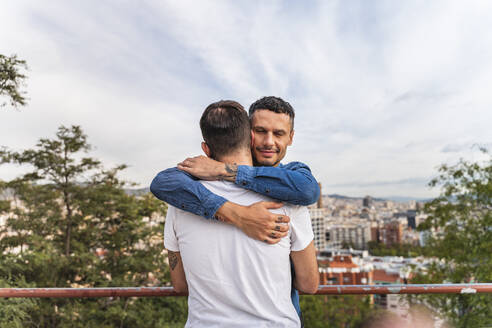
[252,138]
[291,137]
[206,149]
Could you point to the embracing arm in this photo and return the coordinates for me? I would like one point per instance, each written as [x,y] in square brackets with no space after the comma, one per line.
[181,190]
[178,278]
[306,269]
[292,183]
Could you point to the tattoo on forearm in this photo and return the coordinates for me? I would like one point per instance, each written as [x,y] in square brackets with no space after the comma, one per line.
[173,260]
[231,170]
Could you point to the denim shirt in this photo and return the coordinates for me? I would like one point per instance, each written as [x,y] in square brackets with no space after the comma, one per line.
[292,183]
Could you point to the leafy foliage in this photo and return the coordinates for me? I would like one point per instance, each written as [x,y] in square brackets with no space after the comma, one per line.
[335,311]
[459,229]
[70,223]
[14,313]
[11,79]
[406,250]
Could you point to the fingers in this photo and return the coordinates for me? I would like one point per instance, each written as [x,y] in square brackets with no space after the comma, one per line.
[183,164]
[282,219]
[184,168]
[277,234]
[271,241]
[270,205]
[188,162]
[281,227]
[274,237]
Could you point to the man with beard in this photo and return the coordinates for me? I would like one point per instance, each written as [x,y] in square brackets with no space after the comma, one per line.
[233,280]
[272,131]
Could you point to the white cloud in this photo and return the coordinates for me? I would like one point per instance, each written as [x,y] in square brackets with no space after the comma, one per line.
[380,89]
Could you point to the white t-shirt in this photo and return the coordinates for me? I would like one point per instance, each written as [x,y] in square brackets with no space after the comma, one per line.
[234,280]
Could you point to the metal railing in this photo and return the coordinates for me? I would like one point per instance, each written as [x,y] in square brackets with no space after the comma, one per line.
[322,290]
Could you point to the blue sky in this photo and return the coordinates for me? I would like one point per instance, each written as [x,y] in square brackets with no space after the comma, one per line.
[384,91]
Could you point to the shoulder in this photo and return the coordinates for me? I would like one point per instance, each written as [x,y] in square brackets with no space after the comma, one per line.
[174,212]
[171,212]
[294,166]
[299,211]
[299,217]
[301,227]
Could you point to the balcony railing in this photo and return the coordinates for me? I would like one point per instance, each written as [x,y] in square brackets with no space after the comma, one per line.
[169,291]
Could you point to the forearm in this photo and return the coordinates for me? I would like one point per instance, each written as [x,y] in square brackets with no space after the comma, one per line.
[179,189]
[291,183]
[229,173]
[178,278]
[256,220]
[306,269]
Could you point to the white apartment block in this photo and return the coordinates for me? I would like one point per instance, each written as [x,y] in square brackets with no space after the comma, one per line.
[318,223]
[355,232]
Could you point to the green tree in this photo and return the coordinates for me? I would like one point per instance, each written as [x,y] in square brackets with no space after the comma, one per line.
[14,313]
[459,227]
[406,250]
[70,223]
[11,80]
[344,311]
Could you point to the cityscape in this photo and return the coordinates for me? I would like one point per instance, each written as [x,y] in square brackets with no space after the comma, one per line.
[359,241]
[389,99]
[345,228]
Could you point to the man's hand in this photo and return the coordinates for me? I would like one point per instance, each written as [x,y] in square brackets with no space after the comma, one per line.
[256,220]
[205,168]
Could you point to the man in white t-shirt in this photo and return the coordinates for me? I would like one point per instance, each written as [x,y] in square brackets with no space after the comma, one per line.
[233,280]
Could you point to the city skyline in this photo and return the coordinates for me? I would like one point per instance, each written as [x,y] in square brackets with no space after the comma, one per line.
[384,92]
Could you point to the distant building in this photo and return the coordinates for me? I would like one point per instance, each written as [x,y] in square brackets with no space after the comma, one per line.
[343,270]
[349,266]
[332,252]
[411,215]
[411,237]
[375,233]
[388,204]
[392,302]
[424,236]
[365,213]
[391,233]
[355,233]
[367,201]
[320,199]
[420,218]
[318,223]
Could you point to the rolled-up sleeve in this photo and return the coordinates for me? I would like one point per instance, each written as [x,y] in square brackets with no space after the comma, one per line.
[292,183]
[182,191]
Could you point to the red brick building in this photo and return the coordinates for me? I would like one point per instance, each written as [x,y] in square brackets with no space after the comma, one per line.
[342,270]
[391,233]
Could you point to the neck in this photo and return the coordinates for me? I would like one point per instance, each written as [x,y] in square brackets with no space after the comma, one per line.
[242,157]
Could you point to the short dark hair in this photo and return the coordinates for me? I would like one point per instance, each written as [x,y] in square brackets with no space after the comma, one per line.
[274,104]
[225,127]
